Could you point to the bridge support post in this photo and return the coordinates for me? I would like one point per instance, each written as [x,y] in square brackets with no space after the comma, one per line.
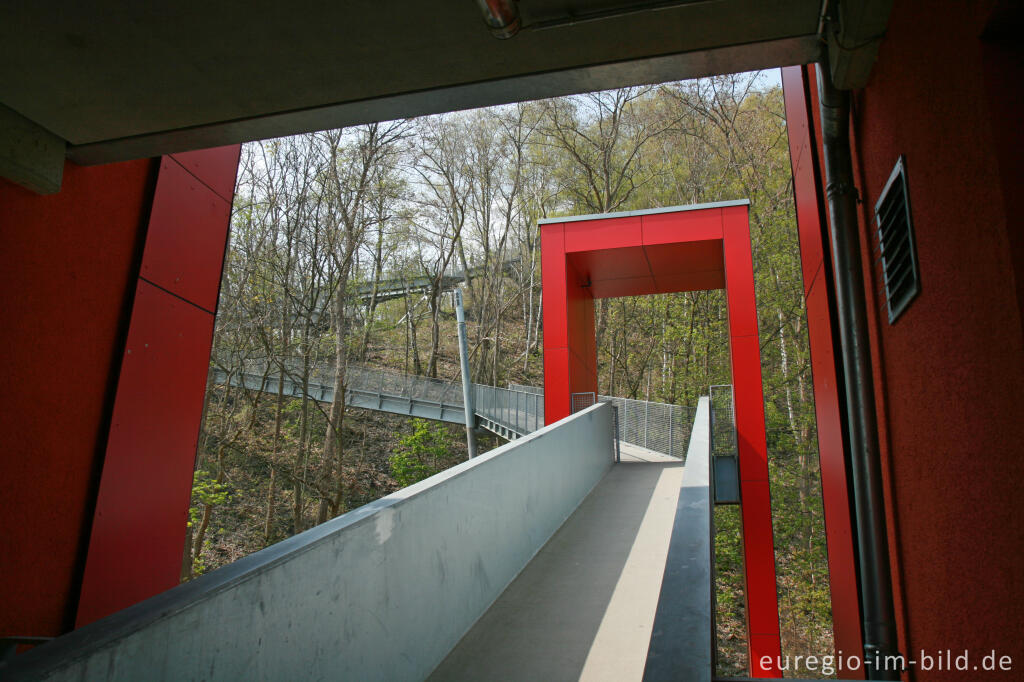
[467,386]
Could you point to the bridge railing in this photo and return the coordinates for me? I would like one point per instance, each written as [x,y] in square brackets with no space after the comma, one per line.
[660,427]
[514,411]
[517,410]
[391,383]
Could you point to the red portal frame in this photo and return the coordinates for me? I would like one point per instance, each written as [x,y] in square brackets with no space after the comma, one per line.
[661,251]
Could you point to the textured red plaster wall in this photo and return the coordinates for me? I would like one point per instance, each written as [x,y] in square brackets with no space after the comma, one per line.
[950,371]
[67,268]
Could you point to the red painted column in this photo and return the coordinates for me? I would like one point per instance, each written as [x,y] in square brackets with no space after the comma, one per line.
[817,275]
[556,322]
[758,542]
[138,530]
[570,356]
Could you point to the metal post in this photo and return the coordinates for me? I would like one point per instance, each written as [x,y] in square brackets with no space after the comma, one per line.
[518,425]
[671,418]
[467,387]
[647,418]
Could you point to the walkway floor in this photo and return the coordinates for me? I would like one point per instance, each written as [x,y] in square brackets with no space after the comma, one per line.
[584,607]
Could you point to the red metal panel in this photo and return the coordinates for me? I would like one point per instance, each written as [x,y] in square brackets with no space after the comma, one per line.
[589,346]
[801,156]
[739,269]
[671,259]
[682,226]
[834,487]
[582,378]
[147,470]
[761,590]
[766,645]
[216,167]
[602,234]
[187,232]
[631,286]
[690,281]
[67,266]
[619,263]
[749,399]
[578,299]
[553,286]
[758,542]
[556,384]
[139,527]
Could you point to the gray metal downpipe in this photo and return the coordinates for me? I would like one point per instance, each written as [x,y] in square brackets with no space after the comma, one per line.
[875,578]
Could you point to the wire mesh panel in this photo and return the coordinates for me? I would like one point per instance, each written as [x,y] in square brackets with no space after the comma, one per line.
[656,426]
[581,401]
[519,411]
[723,421]
[538,390]
[519,408]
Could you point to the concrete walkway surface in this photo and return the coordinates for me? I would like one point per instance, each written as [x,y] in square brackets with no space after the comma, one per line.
[583,609]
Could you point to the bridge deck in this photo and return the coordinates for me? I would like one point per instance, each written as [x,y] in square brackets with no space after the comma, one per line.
[585,606]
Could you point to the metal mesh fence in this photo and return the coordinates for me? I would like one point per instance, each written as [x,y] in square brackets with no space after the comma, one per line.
[581,401]
[656,426]
[539,390]
[358,379]
[723,421]
[521,411]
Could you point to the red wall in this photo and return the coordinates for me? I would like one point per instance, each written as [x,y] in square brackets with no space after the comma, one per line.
[110,291]
[67,263]
[950,371]
[815,257]
[143,499]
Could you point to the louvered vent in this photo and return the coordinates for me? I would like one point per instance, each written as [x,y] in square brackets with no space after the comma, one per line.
[895,243]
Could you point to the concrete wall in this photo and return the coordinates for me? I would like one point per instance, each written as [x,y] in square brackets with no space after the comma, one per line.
[381,593]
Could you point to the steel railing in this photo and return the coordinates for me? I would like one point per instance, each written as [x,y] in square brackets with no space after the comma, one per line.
[510,412]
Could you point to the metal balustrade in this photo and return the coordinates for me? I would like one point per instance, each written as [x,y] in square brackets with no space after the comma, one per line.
[508,412]
[515,412]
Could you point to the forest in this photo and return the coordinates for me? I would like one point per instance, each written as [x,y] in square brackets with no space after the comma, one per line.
[324,223]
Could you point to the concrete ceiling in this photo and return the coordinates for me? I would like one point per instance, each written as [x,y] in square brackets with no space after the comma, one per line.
[109,81]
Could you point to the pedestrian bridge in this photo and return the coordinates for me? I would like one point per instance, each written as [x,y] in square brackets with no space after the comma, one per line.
[510,412]
[543,559]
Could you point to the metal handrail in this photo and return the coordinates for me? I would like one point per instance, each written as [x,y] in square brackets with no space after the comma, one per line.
[511,412]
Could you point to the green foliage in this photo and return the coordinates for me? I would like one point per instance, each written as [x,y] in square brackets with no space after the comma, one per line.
[423,453]
[206,491]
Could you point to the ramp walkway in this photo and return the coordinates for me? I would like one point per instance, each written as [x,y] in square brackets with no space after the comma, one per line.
[541,559]
[584,608]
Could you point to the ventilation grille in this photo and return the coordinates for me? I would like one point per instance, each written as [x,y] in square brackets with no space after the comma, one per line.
[895,249]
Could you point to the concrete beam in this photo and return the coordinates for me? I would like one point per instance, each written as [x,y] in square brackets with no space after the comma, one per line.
[801,49]
[30,155]
[853,40]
